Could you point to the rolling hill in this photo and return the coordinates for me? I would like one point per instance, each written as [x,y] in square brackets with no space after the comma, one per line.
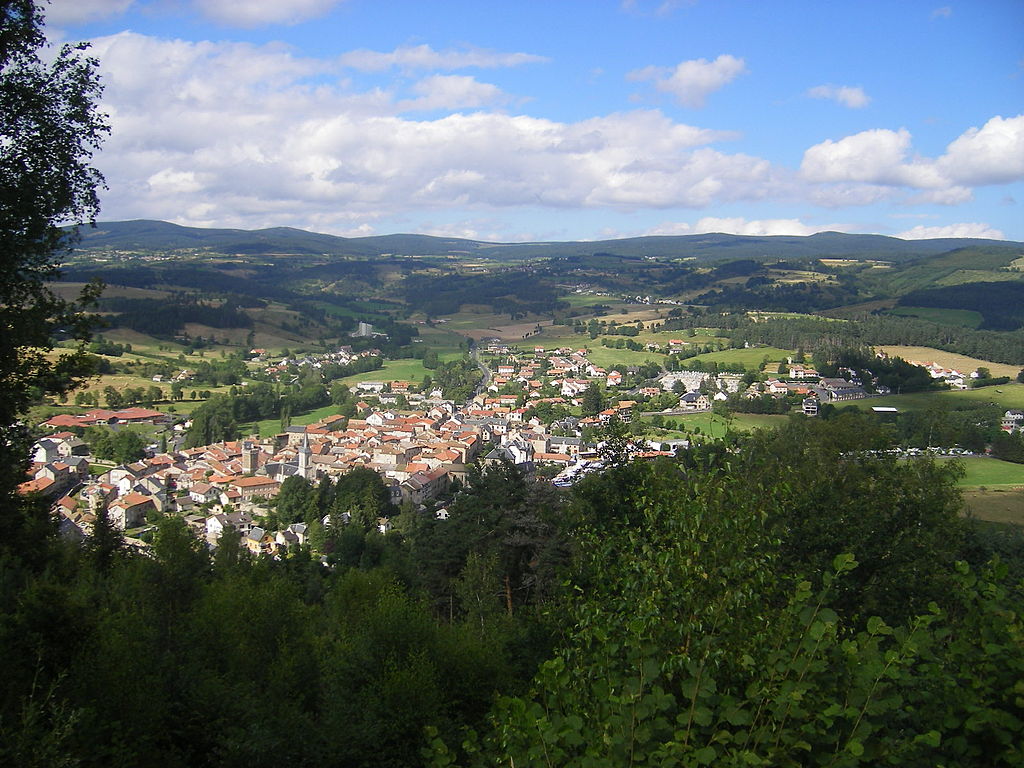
[144,235]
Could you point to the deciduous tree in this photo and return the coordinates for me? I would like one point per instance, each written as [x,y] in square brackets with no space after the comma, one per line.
[49,128]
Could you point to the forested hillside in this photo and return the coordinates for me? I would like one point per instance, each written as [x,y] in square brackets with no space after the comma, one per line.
[793,598]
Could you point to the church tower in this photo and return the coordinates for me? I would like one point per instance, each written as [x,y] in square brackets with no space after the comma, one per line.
[305,454]
[250,452]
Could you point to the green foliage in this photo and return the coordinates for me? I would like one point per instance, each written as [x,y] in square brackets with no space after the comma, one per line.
[1009,447]
[685,647]
[121,447]
[592,400]
[49,128]
[837,494]
[212,422]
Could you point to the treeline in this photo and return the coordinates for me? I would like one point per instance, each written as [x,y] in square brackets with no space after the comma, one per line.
[457,378]
[808,333]
[894,373]
[695,639]
[218,419]
[1001,304]
[760,293]
[516,293]
[163,318]
[789,597]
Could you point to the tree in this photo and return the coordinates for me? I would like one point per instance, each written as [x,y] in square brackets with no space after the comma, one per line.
[49,128]
[685,645]
[212,422]
[112,397]
[592,400]
[127,446]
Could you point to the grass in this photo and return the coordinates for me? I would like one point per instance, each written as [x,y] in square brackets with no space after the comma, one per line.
[996,505]
[983,472]
[590,299]
[962,276]
[1006,396]
[751,359]
[712,424]
[605,357]
[393,370]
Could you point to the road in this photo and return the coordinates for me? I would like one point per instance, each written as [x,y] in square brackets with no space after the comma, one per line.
[485,379]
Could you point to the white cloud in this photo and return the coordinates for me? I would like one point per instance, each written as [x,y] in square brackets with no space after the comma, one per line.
[255,13]
[942,13]
[972,229]
[62,12]
[690,82]
[245,135]
[992,154]
[735,226]
[452,92]
[879,158]
[425,57]
[847,95]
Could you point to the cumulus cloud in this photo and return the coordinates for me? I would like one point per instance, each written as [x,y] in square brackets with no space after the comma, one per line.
[972,229]
[256,13]
[992,154]
[244,135]
[735,226]
[690,82]
[877,156]
[847,95]
[425,57]
[61,12]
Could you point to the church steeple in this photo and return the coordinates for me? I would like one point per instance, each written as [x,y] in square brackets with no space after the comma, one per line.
[305,453]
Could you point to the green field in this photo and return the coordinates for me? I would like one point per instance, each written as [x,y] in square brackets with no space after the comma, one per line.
[712,424]
[1005,396]
[590,299]
[981,471]
[393,370]
[447,343]
[605,357]
[749,358]
[965,317]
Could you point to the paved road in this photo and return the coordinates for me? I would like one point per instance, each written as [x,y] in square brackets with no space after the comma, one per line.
[484,370]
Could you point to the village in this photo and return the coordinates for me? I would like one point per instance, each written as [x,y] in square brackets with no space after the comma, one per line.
[421,451]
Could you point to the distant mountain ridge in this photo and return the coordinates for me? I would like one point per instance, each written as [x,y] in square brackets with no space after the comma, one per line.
[148,235]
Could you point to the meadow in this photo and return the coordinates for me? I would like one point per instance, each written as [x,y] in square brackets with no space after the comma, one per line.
[985,472]
[1006,396]
[750,359]
[714,425]
[995,505]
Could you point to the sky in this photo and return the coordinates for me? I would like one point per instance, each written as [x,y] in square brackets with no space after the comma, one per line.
[522,120]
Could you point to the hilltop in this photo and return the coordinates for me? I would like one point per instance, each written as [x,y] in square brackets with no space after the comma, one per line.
[146,235]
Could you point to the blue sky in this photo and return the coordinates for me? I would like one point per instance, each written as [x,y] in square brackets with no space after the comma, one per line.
[564,119]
